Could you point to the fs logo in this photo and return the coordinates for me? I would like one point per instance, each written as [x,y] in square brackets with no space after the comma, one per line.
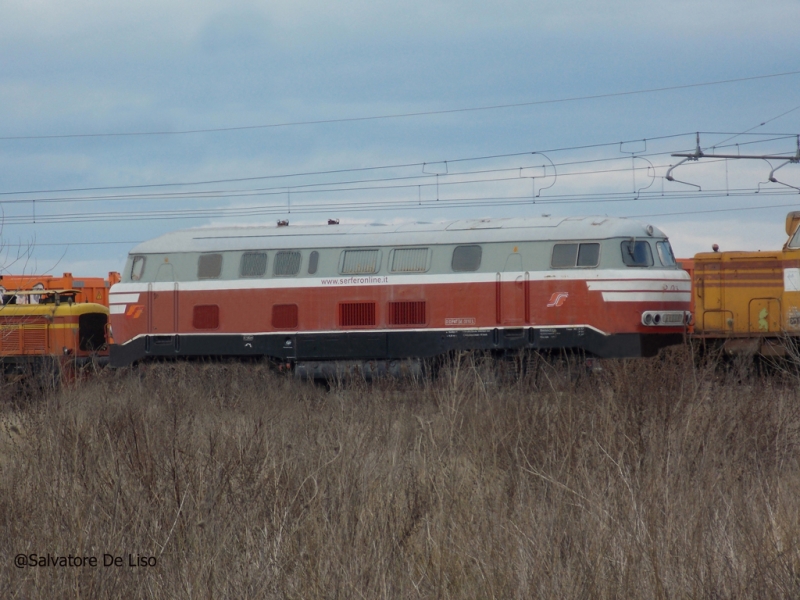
[134,311]
[558,299]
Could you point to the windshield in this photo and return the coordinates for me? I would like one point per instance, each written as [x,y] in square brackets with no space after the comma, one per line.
[665,253]
[795,241]
[637,253]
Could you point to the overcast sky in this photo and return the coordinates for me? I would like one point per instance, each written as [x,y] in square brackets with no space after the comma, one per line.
[79,68]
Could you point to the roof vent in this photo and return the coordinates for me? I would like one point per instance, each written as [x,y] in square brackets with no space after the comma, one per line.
[333,221]
[283,223]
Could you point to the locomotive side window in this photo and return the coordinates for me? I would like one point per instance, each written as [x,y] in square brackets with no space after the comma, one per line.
[287,263]
[361,261]
[636,253]
[665,254]
[209,266]
[138,268]
[467,258]
[410,260]
[564,256]
[313,260]
[568,256]
[253,264]
[589,255]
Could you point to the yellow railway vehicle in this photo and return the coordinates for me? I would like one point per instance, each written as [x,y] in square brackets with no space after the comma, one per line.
[749,301]
[55,334]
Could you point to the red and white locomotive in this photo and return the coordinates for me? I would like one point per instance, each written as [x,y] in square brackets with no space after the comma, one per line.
[306,294]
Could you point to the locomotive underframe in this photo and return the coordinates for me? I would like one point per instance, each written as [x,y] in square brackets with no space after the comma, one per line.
[388,345]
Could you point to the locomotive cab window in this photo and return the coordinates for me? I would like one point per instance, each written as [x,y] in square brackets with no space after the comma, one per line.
[209,266]
[92,332]
[253,264]
[636,253]
[467,258]
[137,268]
[569,256]
[665,254]
[355,262]
[795,241]
[287,263]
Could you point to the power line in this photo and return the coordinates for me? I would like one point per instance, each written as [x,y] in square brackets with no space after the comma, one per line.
[403,115]
[717,210]
[418,164]
[281,209]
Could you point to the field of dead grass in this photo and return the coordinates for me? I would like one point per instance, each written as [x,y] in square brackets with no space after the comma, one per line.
[651,479]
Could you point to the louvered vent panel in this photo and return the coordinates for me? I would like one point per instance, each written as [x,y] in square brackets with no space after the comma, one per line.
[284,316]
[407,313]
[253,264]
[206,316]
[34,339]
[10,340]
[410,260]
[286,263]
[357,314]
[360,261]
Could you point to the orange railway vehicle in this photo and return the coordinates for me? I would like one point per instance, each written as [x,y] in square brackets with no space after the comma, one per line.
[87,289]
[748,302]
[56,334]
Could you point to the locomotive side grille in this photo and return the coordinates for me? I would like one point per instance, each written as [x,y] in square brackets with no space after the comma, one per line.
[205,316]
[10,339]
[253,264]
[407,313]
[410,260]
[284,316]
[34,338]
[23,335]
[361,261]
[287,263]
[357,314]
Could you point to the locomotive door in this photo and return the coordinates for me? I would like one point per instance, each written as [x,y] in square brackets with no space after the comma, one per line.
[512,291]
[710,280]
[163,302]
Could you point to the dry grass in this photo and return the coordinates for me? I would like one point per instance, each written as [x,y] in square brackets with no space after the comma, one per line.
[651,479]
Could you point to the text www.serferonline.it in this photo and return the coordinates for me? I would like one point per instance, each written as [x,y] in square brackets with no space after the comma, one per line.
[355,280]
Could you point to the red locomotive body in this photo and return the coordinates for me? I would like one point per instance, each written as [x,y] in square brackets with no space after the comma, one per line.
[610,287]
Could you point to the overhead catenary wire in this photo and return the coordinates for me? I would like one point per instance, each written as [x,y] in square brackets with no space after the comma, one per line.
[417,164]
[403,115]
[461,202]
[364,185]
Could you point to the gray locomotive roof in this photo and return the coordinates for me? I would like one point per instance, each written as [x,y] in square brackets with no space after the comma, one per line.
[474,231]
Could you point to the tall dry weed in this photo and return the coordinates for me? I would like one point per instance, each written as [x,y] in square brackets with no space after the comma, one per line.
[650,479]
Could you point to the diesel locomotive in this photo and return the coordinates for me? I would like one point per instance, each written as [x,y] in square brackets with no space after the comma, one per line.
[307,295]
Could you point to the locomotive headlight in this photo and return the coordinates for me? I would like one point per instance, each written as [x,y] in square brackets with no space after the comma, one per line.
[648,319]
[657,319]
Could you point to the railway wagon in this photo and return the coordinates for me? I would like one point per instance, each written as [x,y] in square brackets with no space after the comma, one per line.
[305,294]
[749,302]
[87,289]
[55,333]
